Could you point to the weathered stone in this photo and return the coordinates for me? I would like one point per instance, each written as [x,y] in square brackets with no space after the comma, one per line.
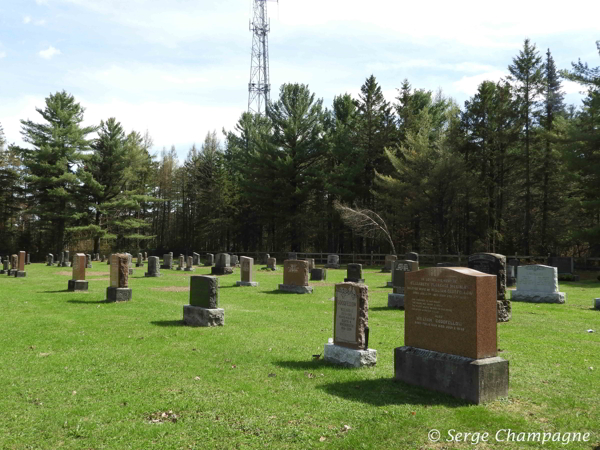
[295,273]
[223,260]
[333,262]
[153,267]
[88,261]
[351,315]
[272,263]
[296,289]
[28,261]
[292,255]
[167,261]
[119,271]
[389,260]
[50,259]
[399,270]
[5,268]
[129,263]
[77,285]
[210,259]
[311,263]
[354,273]
[348,357]
[180,262]
[196,257]
[265,259]
[67,260]
[538,284]
[597,303]
[318,274]
[494,264]
[204,291]
[114,294]
[140,260]
[234,260]
[79,266]
[189,267]
[247,265]
[196,316]
[411,256]
[396,301]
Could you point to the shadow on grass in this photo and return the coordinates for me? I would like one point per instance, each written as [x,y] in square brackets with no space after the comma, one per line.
[277,291]
[384,308]
[88,302]
[53,292]
[168,323]
[386,391]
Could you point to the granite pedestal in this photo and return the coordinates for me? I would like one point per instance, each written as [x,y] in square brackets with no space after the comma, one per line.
[538,297]
[396,301]
[20,274]
[77,285]
[349,357]
[296,289]
[597,303]
[114,294]
[247,283]
[197,316]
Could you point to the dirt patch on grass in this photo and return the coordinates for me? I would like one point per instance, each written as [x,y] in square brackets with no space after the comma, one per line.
[171,289]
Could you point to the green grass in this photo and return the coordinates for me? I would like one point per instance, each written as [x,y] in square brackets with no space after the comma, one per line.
[79,373]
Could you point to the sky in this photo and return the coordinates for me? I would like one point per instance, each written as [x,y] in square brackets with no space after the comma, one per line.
[180,68]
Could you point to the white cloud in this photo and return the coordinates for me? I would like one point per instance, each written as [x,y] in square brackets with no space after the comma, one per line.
[49,52]
[2,54]
[40,22]
[26,19]
[570,87]
[469,84]
[41,2]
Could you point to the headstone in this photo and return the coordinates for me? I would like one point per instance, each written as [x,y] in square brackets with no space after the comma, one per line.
[28,259]
[354,274]
[14,265]
[189,266]
[292,255]
[62,259]
[145,256]
[350,327]
[311,263]
[411,256]
[20,272]
[196,258]
[450,335]
[130,263]
[67,259]
[234,260]
[203,310]
[50,260]
[78,281]
[210,259]
[88,261]
[400,269]
[109,259]
[265,258]
[562,264]
[272,263]
[333,262]
[494,264]
[140,260]
[511,276]
[538,284]
[318,274]
[167,261]
[181,262]
[295,277]
[389,260]
[5,268]
[222,265]
[597,303]
[119,290]
[153,267]
[246,266]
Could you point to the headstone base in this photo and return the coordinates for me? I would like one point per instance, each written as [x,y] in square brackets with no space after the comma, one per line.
[474,380]
[296,289]
[11,272]
[354,280]
[538,297]
[396,301]
[349,357]
[2,271]
[88,266]
[597,303]
[503,310]
[139,264]
[77,285]
[20,274]
[147,274]
[332,266]
[196,316]
[269,268]
[189,269]
[66,264]
[166,267]
[221,270]
[179,268]
[390,284]
[131,271]
[247,283]
[114,294]
[318,274]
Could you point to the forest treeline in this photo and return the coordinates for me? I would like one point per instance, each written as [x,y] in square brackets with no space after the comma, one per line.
[515,170]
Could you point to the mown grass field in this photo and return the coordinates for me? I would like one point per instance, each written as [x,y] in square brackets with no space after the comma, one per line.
[79,373]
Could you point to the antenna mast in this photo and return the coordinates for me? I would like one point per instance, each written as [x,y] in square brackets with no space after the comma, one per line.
[259,87]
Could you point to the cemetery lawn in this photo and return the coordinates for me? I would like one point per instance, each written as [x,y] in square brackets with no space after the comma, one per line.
[79,373]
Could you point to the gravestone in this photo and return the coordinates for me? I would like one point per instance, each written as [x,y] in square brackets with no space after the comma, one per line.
[167,261]
[450,335]
[66,260]
[222,265]
[389,260]
[597,303]
[295,277]
[78,281]
[234,261]
[272,263]
[20,272]
[318,274]
[61,259]
[28,261]
[538,284]
[14,264]
[292,255]
[246,266]
[265,259]
[494,264]
[119,290]
[145,256]
[50,259]
[109,259]
[446,264]
[203,310]
[311,263]
[140,261]
[180,262]
[5,269]
[210,259]
[130,263]
[354,273]
[88,261]
[333,262]
[400,269]
[411,256]
[196,258]
[153,267]
[511,277]
[189,266]
[350,346]
[565,267]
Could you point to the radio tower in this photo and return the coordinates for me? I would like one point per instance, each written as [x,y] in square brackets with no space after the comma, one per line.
[259,87]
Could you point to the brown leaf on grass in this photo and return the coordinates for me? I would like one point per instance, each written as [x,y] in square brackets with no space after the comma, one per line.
[309,375]
[74,393]
[32,347]
[197,378]
[322,438]
[345,428]
[43,355]
[234,367]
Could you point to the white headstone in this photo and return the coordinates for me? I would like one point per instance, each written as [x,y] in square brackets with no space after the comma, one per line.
[538,284]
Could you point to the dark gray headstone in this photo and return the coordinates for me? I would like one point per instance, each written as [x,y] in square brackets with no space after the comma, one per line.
[411,256]
[204,291]
[563,264]
[153,267]
[354,273]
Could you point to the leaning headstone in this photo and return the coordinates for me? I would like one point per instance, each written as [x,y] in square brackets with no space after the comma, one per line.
[189,266]
[78,281]
[450,342]
[119,289]
[88,261]
[295,277]
[210,259]
[196,258]
[292,255]
[333,262]
[67,260]
[400,269]
[181,262]
[538,284]
[5,268]
[246,266]
[389,260]
[411,256]
[50,260]
[494,264]
[28,261]
[167,261]
[272,263]
[140,261]
[20,273]
[222,265]
[318,274]
[153,267]
[203,310]
[350,346]
[354,274]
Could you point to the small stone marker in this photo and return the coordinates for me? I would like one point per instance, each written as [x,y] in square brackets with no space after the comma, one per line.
[103,258]
[130,263]
[119,290]
[597,303]
[196,258]
[351,327]
[210,259]
[494,264]
[189,266]
[28,261]
[88,261]
[396,298]
[292,255]
[140,261]
[180,262]
[333,262]
[203,310]
[234,261]
[50,259]
[272,263]
[20,272]
[450,335]
[14,264]
[246,266]
[66,261]
[223,265]
[265,259]
[167,261]
[153,267]
[295,277]
[538,284]
[389,260]
[5,268]
[354,274]
[318,274]
[411,256]
[78,281]
[311,263]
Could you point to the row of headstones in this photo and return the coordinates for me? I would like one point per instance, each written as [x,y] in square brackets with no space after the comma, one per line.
[15,265]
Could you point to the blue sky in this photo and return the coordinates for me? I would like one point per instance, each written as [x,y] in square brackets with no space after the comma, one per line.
[180,68]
